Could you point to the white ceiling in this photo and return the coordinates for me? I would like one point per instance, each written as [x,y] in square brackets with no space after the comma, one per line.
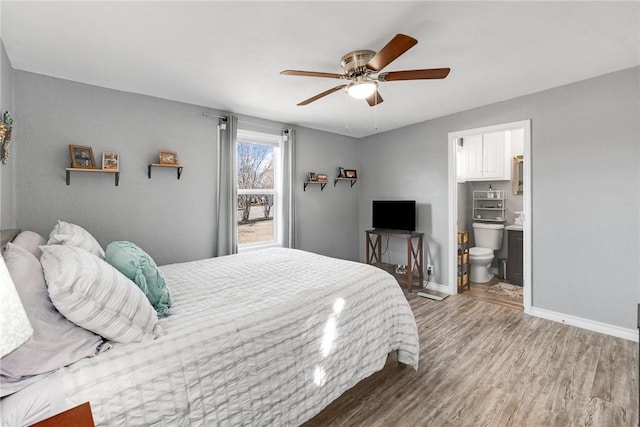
[228,55]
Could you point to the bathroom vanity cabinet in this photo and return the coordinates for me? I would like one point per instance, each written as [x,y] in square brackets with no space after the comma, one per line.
[515,257]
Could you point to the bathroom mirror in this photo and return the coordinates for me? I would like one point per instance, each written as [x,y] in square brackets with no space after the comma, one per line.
[518,175]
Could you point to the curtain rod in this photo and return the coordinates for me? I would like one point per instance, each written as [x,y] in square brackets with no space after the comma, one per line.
[262,126]
[204,113]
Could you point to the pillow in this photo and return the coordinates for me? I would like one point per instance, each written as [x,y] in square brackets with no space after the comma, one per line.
[65,233]
[30,241]
[138,266]
[96,296]
[56,342]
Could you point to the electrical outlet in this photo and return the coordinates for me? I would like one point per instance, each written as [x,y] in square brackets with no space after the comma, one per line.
[429,269]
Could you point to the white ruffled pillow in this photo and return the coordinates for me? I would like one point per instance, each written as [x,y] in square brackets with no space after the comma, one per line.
[65,233]
[96,296]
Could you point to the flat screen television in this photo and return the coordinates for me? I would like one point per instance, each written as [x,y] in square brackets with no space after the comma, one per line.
[399,215]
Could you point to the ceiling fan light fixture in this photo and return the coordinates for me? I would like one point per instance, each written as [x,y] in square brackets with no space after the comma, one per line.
[362,89]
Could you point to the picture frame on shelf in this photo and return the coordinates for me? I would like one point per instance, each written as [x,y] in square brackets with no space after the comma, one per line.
[313,177]
[350,173]
[168,157]
[110,161]
[322,177]
[340,172]
[82,157]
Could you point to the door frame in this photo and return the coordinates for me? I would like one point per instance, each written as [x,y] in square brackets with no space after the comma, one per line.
[453,206]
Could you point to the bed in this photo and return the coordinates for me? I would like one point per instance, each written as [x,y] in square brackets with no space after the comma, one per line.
[268,337]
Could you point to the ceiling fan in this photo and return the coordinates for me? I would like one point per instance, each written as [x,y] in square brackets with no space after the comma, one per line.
[360,66]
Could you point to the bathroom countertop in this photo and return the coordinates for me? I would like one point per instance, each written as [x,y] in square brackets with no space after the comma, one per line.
[515,227]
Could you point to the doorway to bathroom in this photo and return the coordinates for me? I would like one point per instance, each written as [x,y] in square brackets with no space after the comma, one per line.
[490,185]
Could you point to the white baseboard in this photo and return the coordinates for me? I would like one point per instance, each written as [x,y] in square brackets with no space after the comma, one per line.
[567,319]
[591,325]
[437,287]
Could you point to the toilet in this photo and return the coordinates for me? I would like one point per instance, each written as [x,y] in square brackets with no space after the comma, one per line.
[487,238]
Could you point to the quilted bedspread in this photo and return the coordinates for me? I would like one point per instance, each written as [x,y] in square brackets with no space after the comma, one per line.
[263,338]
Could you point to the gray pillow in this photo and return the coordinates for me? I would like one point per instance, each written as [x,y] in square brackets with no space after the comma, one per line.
[56,342]
[30,241]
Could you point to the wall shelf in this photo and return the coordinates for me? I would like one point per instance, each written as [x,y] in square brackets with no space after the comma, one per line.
[352,180]
[322,184]
[178,168]
[116,172]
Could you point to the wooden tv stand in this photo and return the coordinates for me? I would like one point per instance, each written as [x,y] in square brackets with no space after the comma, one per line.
[414,273]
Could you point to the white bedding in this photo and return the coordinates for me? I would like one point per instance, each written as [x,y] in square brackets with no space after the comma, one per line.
[269,337]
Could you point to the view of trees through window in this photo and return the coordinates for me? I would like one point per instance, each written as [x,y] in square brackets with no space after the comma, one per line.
[256,193]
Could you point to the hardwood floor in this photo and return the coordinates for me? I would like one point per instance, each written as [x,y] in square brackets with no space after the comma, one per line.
[486,364]
[479,291]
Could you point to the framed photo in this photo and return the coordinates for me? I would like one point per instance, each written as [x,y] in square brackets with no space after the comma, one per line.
[313,177]
[322,177]
[110,161]
[340,172]
[81,157]
[350,173]
[168,158]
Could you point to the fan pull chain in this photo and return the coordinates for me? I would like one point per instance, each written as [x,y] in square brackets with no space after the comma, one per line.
[346,111]
[375,112]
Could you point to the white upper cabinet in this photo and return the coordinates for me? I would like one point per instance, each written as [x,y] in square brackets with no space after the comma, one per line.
[495,160]
[488,156]
[472,146]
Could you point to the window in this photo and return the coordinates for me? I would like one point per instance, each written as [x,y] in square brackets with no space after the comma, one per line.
[259,180]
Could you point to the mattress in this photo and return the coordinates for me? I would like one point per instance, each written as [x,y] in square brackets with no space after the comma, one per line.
[269,337]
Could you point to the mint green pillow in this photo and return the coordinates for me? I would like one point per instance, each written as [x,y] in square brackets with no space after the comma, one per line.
[138,266]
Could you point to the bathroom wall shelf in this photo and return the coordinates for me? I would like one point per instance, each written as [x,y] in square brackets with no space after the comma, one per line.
[463,261]
[116,173]
[352,180]
[489,205]
[178,168]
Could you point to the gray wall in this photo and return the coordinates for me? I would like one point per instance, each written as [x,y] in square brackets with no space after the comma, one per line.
[408,164]
[7,172]
[586,198]
[585,187]
[465,202]
[330,216]
[174,220]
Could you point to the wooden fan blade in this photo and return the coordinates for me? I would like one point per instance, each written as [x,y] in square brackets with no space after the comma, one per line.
[311,74]
[396,47]
[320,95]
[375,99]
[433,73]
